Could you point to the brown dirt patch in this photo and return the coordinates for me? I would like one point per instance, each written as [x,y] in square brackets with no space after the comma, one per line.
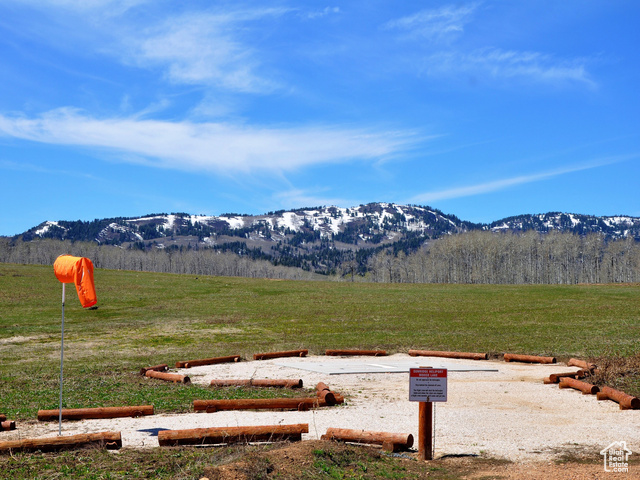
[569,471]
[308,460]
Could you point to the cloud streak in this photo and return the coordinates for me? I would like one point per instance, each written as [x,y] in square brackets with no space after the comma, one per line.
[509,64]
[111,7]
[221,148]
[205,49]
[505,183]
[444,23]
[443,55]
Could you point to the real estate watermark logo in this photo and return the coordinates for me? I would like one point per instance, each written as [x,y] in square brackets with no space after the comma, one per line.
[616,457]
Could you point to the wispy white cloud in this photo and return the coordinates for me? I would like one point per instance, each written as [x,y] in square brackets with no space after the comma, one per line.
[104,7]
[444,23]
[311,15]
[502,184]
[220,48]
[508,64]
[205,48]
[210,147]
[444,55]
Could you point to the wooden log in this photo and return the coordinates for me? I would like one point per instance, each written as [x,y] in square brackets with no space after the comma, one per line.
[109,440]
[231,383]
[157,368]
[425,431]
[555,377]
[574,362]
[625,401]
[512,357]
[287,353]
[207,361]
[258,382]
[7,425]
[462,355]
[372,353]
[300,403]
[275,383]
[168,377]
[100,412]
[324,393]
[217,435]
[321,386]
[585,388]
[389,441]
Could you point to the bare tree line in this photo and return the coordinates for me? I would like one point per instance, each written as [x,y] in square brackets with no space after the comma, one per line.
[509,258]
[473,257]
[197,262]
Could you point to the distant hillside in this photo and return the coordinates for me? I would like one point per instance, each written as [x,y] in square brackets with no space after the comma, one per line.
[316,239]
[612,227]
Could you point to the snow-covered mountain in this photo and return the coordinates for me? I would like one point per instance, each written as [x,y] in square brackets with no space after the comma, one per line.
[315,239]
[366,224]
[361,226]
[620,226]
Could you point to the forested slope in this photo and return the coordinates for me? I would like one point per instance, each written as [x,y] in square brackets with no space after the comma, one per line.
[472,257]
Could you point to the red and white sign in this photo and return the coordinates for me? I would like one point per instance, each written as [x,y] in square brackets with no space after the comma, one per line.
[428,384]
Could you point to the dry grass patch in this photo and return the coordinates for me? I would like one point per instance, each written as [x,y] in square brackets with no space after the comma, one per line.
[621,373]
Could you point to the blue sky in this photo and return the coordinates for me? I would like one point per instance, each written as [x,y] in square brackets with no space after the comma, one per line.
[481,109]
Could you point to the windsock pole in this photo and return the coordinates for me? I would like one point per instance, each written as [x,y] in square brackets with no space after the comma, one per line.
[61,363]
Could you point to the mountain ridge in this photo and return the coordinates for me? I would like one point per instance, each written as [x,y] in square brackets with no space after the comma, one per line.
[389,216]
[316,238]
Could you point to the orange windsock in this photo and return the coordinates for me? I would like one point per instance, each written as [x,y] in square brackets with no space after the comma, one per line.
[78,270]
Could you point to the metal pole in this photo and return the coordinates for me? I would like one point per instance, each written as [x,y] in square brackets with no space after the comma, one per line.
[61,363]
[433,451]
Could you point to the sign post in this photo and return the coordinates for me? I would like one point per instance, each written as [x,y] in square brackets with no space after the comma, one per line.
[427,385]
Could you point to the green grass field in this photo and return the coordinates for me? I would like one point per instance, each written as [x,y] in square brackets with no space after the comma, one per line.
[146,318]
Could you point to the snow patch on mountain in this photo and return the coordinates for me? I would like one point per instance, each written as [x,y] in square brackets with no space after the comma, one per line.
[45,227]
[115,228]
[234,222]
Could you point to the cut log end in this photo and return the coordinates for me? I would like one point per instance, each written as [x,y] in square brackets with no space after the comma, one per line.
[7,425]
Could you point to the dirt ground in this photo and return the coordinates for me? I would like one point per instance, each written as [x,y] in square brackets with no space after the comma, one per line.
[288,460]
[502,411]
